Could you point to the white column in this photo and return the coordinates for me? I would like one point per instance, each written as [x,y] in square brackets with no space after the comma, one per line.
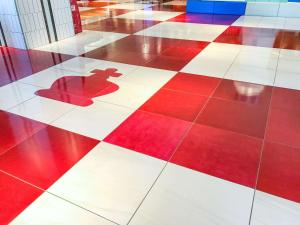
[10,23]
[29,24]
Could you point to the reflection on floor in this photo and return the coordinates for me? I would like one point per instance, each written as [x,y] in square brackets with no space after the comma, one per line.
[153,116]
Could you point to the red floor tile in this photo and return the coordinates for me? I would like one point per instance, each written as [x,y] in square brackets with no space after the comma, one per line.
[20,63]
[117,12]
[280,171]
[170,8]
[284,121]
[14,129]
[262,37]
[249,119]
[176,104]
[205,18]
[168,59]
[220,153]
[45,156]
[194,84]
[95,4]
[120,25]
[154,52]
[139,44]
[244,92]
[286,99]
[284,127]
[132,58]
[150,134]
[15,197]
[168,63]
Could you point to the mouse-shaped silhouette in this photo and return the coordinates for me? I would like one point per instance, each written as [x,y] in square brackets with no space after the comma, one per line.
[79,90]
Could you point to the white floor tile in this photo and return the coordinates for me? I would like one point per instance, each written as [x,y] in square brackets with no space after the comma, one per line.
[259,51]
[47,77]
[251,74]
[83,42]
[131,6]
[271,210]
[80,64]
[287,80]
[149,15]
[272,22]
[86,65]
[15,93]
[217,48]
[247,21]
[95,121]
[187,31]
[129,95]
[213,62]
[266,58]
[294,54]
[149,77]
[110,181]
[123,68]
[183,196]
[292,24]
[41,109]
[51,210]
[289,64]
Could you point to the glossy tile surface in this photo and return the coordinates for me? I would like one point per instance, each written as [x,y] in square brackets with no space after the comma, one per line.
[149,15]
[188,31]
[17,63]
[83,42]
[193,84]
[154,116]
[149,133]
[14,129]
[284,121]
[171,103]
[15,197]
[279,172]
[246,118]
[263,37]
[43,157]
[220,153]
[149,51]
[120,25]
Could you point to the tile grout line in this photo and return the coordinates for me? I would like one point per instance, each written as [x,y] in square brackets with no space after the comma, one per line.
[263,144]
[81,207]
[46,191]
[175,150]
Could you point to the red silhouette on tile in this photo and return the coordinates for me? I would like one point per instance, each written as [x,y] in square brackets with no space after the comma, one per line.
[79,90]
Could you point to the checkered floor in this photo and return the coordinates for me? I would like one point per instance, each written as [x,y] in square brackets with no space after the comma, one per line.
[153,116]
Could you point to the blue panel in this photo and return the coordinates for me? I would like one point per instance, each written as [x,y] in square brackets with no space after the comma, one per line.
[231,8]
[198,6]
[217,7]
[294,0]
